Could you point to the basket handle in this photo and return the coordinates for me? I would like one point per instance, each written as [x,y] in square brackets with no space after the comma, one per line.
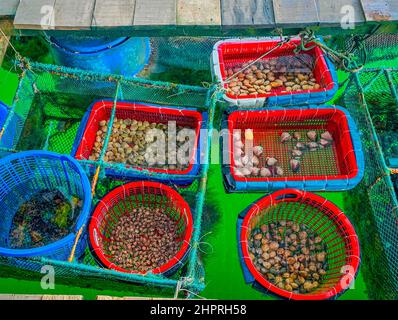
[288,194]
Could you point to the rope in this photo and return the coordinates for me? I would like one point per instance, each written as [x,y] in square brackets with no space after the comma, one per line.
[78,235]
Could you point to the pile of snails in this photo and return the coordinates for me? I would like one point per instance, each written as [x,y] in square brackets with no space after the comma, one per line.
[143,239]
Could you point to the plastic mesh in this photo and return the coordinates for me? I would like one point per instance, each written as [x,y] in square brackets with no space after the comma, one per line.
[51,102]
[375,198]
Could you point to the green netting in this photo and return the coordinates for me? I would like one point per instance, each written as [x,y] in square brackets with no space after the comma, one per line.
[51,102]
[374,202]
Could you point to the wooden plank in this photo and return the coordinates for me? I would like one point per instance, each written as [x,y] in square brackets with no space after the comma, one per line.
[380,10]
[8,7]
[34,14]
[155,12]
[247,13]
[39,297]
[20,297]
[73,14]
[62,297]
[293,13]
[332,12]
[113,13]
[199,12]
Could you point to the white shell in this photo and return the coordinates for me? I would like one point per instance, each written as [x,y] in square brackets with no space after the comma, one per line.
[265,172]
[258,150]
[271,161]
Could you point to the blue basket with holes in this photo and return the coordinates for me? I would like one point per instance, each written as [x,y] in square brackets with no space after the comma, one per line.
[22,176]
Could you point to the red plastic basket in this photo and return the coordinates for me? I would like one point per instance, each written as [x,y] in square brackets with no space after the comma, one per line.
[234,53]
[102,110]
[132,195]
[324,218]
[337,162]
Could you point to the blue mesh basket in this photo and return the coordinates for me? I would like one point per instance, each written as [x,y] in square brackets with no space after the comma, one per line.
[23,175]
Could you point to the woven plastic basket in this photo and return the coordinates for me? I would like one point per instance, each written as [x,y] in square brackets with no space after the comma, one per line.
[101,110]
[140,194]
[322,217]
[23,175]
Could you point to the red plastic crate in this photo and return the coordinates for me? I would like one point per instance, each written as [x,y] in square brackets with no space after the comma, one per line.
[230,53]
[101,110]
[341,162]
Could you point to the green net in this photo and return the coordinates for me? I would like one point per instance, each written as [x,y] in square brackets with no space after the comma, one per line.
[50,104]
[374,202]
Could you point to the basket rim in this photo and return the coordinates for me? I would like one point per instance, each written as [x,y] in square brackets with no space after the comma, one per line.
[93,227]
[82,219]
[299,195]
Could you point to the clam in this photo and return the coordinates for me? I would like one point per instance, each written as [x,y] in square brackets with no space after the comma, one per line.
[296,153]
[285,137]
[312,135]
[300,146]
[271,162]
[258,150]
[297,135]
[255,171]
[279,171]
[265,172]
[324,142]
[327,136]
[295,165]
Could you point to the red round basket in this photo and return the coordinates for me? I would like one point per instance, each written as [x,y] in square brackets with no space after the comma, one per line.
[322,217]
[132,195]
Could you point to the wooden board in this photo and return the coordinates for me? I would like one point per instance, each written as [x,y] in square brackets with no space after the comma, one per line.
[198,12]
[39,297]
[155,12]
[113,13]
[31,14]
[293,13]
[333,12]
[244,13]
[380,10]
[73,14]
[8,7]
